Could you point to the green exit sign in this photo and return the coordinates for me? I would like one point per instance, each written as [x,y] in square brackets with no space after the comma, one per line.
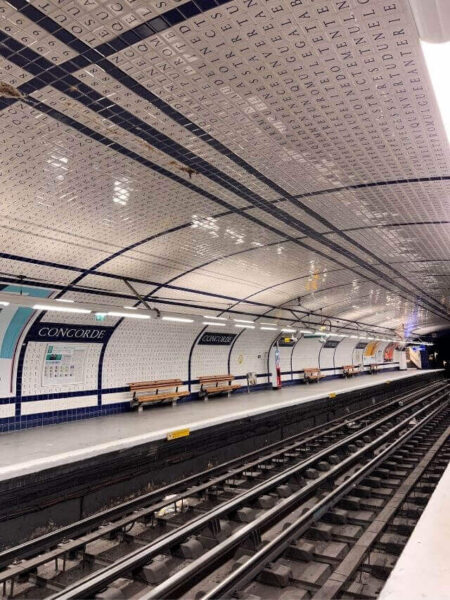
[100,317]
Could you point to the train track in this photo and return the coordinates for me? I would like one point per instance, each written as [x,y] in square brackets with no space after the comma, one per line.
[345,544]
[163,547]
[76,529]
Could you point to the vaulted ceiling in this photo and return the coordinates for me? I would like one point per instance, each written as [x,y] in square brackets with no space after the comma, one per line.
[254,154]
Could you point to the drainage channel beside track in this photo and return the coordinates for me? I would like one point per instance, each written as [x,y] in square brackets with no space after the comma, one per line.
[163,549]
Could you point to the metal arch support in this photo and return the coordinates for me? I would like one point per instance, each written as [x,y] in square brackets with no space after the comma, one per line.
[154,311]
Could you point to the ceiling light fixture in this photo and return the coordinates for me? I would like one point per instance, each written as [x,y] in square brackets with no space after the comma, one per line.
[269,328]
[245,326]
[289,330]
[64,300]
[61,309]
[214,324]
[4,303]
[178,319]
[114,313]
[242,321]
[215,318]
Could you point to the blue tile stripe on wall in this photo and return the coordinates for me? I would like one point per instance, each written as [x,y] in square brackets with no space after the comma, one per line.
[67,415]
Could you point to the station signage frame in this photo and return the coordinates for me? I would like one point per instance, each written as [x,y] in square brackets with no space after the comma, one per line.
[68,332]
[216,338]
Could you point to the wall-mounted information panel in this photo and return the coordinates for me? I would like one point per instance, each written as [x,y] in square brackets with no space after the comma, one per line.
[64,364]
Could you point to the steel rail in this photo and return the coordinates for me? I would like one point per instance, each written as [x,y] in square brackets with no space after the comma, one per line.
[271,551]
[15,570]
[349,565]
[80,527]
[86,587]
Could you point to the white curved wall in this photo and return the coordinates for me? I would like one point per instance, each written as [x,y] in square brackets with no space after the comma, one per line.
[250,353]
[326,357]
[305,355]
[344,353]
[144,351]
[210,360]
[147,350]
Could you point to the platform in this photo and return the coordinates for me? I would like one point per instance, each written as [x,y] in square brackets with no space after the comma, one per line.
[423,569]
[34,450]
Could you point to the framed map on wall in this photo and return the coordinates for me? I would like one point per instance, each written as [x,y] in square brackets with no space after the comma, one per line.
[64,364]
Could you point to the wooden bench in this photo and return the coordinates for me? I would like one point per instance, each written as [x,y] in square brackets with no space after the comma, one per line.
[312,375]
[373,368]
[169,391]
[216,384]
[349,370]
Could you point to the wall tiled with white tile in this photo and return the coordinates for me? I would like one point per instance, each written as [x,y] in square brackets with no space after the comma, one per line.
[149,350]
[210,360]
[327,359]
[7,410]
[250,353]
[285,362]
[161,350]
[70,403]
[306,355]
[344,352]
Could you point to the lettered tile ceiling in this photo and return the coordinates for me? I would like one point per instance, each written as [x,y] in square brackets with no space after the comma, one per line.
[264,155]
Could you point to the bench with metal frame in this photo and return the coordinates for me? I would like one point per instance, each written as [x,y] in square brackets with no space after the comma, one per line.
[210,385]
[312,375]
[349,370]
[161,390]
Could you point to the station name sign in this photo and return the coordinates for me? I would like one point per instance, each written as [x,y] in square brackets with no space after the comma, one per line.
[212,338]
[59,332]
[331,344]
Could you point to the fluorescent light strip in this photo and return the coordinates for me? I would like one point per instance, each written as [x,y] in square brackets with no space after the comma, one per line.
[4,303]
[178,319]
[265,323]
[242,321]
[246,326]
[131,307]
[289,330]
[269,328]
[215,318]
[214,324]
[61,309]
[64,300]
[127,315]
[305,331]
